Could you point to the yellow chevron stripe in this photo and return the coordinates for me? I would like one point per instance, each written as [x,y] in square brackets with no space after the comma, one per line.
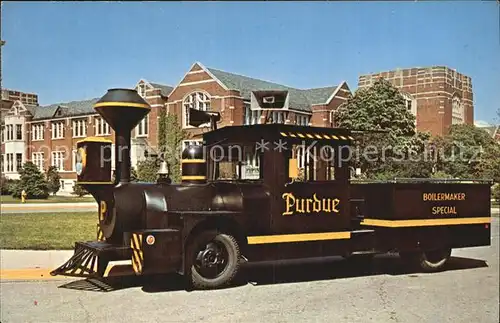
[350,137]
[300,135]
[318,136]
[283,134]
[309,136]
[292,135]
[326,136]
[335,137]
[343,138]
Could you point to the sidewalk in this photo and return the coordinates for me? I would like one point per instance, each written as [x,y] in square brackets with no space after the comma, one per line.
[37,264]
[49,207]
[31,264]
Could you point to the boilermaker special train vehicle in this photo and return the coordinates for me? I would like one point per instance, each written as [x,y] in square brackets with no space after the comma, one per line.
[225,213]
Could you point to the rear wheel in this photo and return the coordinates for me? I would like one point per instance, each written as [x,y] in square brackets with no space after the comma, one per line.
[213,260]
[428,260]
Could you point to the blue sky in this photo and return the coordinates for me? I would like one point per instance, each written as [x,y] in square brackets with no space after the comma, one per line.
[72,51]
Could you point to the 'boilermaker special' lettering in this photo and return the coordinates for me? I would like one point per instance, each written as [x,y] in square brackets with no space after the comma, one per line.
[443,196]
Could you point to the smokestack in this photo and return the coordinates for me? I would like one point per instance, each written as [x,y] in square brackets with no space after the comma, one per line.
[122,109]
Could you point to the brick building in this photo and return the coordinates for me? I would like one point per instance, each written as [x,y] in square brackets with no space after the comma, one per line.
[438,96]
[244,100]
[14,107]
[50,132]
[47,135]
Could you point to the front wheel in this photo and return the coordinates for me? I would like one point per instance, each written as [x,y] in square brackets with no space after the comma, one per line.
[428,261]
[213,260]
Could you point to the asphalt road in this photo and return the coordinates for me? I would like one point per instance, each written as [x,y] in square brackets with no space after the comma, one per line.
[315,292]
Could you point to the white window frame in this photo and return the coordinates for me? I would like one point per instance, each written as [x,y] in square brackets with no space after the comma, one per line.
[79,128]
[102,128]
[197,100]
[57,130]
[9,132]
[58,160]
[15,130]
[10,162]
[302,119]
[252,116]
[186,143]
[38,159]
[37,131]
[457,111]
[21,164]
[142,128]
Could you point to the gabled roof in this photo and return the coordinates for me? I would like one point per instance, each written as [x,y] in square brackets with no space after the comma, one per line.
[299,99]
[70,109]
[165,89]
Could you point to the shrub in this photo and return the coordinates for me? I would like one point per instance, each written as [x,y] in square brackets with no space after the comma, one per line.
[32,181]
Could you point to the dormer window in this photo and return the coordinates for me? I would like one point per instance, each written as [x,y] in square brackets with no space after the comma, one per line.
[268,99]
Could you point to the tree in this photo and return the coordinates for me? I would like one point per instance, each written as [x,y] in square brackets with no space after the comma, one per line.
[467,151]
[53,179]
[133,175]
[79,191]
[32,181]
[170,137]
[147,169]
[7,185]
[397,150]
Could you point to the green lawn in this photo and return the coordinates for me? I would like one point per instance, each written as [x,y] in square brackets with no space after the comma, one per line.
[45,231]
[7,199]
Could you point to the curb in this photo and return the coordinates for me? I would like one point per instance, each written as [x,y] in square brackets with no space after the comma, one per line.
[44,274]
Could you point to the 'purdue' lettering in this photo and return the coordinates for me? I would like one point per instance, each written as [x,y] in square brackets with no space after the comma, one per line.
[303,205]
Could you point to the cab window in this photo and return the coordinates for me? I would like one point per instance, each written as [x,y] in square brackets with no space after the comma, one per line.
[235,162]
[318,163]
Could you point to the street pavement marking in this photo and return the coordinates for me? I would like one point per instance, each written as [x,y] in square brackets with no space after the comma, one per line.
[44,274]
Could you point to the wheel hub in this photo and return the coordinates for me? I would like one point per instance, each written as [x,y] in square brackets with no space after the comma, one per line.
[210,257]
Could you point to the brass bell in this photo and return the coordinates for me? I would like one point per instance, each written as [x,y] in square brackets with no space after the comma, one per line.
[163,171]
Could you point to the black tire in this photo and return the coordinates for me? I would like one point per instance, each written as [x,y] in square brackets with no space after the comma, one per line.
[202,248]
[427,261]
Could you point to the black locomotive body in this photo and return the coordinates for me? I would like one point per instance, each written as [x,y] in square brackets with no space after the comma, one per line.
[215,219]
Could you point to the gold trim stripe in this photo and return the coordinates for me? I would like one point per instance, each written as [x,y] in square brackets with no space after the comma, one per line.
[292,135]
[89,183]
[193,161]
[193,178]
[95,139]
[282,238]
[300,135]
[283,134]
[122,105]
[424,222]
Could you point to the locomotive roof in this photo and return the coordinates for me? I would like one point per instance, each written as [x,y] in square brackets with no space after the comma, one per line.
[251,133]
